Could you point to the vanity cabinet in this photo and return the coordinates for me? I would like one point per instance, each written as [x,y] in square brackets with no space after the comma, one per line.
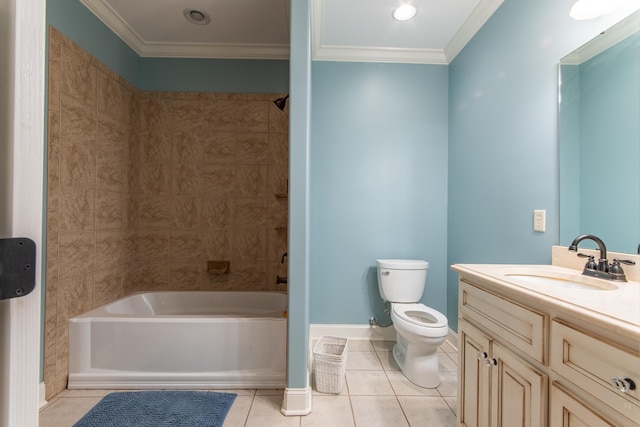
[497,387]
[528,362]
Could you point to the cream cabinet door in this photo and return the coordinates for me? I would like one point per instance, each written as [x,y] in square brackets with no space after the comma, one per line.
[518,391]
[474,351]
[567,411]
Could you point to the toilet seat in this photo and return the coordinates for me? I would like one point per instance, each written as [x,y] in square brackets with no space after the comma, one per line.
[420,315]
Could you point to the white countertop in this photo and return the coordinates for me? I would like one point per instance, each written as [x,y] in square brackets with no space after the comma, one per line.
[618,306]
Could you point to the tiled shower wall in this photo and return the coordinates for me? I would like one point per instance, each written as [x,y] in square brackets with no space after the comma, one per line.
[143,189]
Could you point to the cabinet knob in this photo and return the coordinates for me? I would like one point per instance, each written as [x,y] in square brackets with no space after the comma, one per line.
[623,384]
[491,362]
[482,355]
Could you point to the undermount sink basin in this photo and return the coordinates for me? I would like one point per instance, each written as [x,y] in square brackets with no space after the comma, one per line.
[560,279]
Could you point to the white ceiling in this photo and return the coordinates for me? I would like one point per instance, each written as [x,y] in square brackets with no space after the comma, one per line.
[343,30]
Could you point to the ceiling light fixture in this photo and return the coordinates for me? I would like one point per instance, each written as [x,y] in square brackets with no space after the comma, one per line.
[197,17]
[590,9]
[404,12]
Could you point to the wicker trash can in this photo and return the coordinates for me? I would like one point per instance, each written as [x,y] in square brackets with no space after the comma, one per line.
[329,364]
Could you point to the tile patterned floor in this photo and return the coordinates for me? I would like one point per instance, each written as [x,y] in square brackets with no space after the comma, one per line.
[375,394]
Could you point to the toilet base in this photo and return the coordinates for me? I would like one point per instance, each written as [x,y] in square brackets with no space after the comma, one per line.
[419,363]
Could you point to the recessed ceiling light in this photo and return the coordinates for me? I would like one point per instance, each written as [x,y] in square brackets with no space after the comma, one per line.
[404,12]
[197,17]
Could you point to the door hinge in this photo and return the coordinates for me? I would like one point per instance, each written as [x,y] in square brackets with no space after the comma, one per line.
[17,267]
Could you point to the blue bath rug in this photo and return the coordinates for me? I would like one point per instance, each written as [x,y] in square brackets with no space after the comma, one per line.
[159,409]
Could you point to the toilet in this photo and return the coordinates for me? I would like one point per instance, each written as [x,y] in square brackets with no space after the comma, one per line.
[420,329]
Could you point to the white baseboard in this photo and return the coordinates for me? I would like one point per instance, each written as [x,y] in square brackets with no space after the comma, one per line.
[42,392]
[362,332]
[297,401]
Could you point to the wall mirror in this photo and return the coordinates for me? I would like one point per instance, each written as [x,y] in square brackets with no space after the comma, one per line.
[599,138]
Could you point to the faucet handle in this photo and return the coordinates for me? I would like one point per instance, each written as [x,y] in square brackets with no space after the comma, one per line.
[617,261]
[591,263]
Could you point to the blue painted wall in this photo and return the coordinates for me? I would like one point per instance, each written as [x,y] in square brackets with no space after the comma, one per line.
[214,75]
[503,151]
[76,22]
[378,182]
[610,145]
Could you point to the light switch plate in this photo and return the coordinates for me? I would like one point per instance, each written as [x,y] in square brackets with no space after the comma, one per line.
[539,220]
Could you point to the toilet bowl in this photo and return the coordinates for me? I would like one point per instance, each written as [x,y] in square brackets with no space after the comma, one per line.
[420,330]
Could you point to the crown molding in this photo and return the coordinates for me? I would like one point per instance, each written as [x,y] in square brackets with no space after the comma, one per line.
[181,50]
[478,17]
[604,40]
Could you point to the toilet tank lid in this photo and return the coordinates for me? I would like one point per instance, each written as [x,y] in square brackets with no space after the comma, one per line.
[403,264]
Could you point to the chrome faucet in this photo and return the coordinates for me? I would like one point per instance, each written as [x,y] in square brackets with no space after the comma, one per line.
[602,269]
[602,262]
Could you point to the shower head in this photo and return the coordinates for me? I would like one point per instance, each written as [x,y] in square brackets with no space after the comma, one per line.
[281,102]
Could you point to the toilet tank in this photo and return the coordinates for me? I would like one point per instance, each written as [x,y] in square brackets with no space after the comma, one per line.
[402,280]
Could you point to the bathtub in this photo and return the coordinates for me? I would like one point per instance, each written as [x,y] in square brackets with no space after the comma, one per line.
[181,340]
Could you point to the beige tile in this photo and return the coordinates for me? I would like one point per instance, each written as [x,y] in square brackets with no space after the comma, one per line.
[76,297]
[403,387]
[77,165]
[265,411]
[186,246]
[383,345]
[219,180]
[387,361]
[188,275]
[329,411]
[251,180]
[219,244]
[111,135]
[187,180]
[363,361]
[250,244]
[446,362]
[278,148]
[154,179]
[447,347]
[77,121]
[377,411]
[452,402]
[448,384]
[239,411]
[109,249]
[251,116]
[66,412]
[107,286]
[249,276]
[186,212]
[251,212]
[278,119]
[108,210]
[110,96]
[154,212]
[77,254]
[77,210]
[79,75]
[187,114]
[427,411]
[355,345]
[270,392]
[109,171]
[252,148]
[218,213]
[187,146]
[368,383]
[220,148]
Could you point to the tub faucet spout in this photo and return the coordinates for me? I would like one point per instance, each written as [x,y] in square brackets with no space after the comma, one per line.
[281,280]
